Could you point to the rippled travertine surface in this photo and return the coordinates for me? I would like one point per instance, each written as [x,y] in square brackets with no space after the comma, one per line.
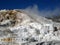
[19,28]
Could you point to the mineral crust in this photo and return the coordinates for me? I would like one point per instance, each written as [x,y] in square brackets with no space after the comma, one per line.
[19,28]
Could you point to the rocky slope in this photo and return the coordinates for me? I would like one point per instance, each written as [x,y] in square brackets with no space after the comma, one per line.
[19,28]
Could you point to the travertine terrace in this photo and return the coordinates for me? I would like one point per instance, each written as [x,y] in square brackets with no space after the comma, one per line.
[20,28]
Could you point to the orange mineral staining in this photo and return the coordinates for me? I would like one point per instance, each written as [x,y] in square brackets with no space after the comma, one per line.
[8,39]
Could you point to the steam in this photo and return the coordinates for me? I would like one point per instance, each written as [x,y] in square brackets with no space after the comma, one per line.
[33,10]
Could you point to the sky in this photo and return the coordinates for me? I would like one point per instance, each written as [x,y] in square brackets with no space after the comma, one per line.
[44,7]
[19,4]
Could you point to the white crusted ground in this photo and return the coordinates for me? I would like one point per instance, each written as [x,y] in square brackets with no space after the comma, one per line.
[28,32]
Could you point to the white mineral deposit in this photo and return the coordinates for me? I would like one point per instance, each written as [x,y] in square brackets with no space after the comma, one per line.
[20,28]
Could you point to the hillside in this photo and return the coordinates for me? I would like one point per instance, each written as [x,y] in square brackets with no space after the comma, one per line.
[18,27]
